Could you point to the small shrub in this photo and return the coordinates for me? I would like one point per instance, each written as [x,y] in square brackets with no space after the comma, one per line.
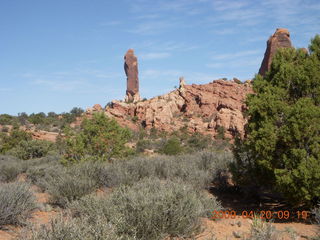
[135,119]
[198,141]
[171,147]
[126,172]
[66,227]
[198,169]
[142,144]
[9,170]
[262,230]
[42,174]
[65,187]
[220,132]
[316,213]
[150,209]
[16,203]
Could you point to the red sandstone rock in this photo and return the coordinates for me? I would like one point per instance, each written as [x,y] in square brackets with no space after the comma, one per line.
[201,108]
[131,70]
[44,135]
[280,39]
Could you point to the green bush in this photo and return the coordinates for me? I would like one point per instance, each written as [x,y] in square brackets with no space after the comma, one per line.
[99,136]
[171,147]
[150,209]
[282,145]
[16,203]
[6,119]
[16,136]
[220,132]
[67,228]
[198,142]
[31,149]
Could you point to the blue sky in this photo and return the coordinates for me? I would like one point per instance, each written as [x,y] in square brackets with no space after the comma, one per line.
[57,54]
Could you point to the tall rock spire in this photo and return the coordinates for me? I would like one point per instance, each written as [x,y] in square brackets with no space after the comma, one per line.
[280,39]
[131,70]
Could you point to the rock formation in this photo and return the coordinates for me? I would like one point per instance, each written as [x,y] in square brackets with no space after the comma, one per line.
[199,108]
[131,70]
[280,39]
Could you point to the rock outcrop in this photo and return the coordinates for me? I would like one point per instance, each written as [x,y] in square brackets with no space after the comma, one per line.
[202,108]
[131,70]
[280,39]
[44,135]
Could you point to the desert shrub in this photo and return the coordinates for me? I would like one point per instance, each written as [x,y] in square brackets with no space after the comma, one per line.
[16,136]
[65,186]
[31,149]
[100,136]
[10,169]
[90,169]
[143,144]
[16,203]
[6,119]
[150,209]
[126,172]
[198,169]
[42,174]
[316,213]
[37,118]
[220,132]
[171,147]
[262,230]
[5,129]
[66,227]
[198,141]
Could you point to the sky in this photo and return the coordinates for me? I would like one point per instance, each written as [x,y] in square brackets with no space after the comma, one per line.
[60,54]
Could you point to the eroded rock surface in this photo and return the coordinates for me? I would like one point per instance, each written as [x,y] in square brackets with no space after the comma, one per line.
[199,108]
[280,39]
[131,70]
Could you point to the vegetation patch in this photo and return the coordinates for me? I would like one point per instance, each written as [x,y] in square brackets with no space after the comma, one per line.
[151,209]
[16,203]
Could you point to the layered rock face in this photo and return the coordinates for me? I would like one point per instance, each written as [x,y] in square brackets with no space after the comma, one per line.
[280,39]
[199,108]
[131,70]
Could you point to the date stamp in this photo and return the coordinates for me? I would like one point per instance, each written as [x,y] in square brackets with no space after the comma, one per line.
[268,214]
